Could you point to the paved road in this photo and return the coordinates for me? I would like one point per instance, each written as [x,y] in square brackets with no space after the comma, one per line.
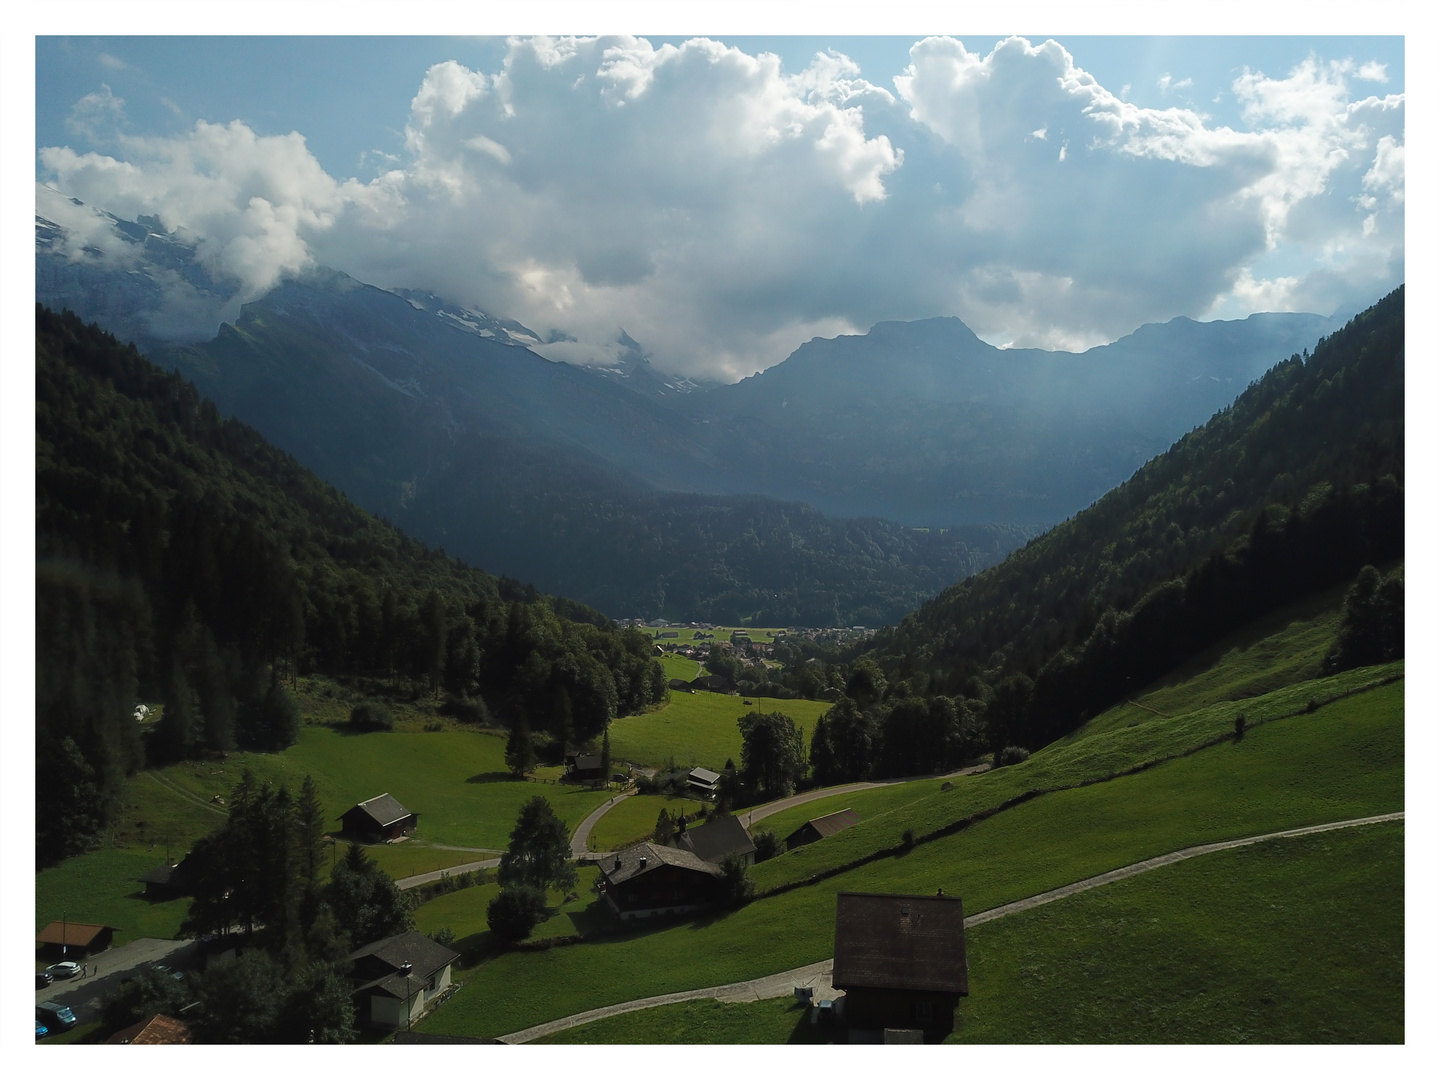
[760,813]
[117,964]
[818,974]
[449,871]
[579,842]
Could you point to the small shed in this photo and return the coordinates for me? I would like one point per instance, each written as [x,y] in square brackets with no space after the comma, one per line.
[705,781]
[821,827]
[901,961]
[379,819]
[716,839]
[167,881]
[72,939]
[646,880]
[388,995]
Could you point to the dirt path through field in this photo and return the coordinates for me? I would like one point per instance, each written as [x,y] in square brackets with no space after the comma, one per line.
[817,975]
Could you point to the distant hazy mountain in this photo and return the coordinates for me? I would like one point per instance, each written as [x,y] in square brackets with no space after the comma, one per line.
[429,413]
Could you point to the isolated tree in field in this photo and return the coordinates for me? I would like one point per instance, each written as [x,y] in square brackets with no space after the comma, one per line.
[514,913]
[772,754]
[520,749]
[539,853]
[735,883]
[664,827]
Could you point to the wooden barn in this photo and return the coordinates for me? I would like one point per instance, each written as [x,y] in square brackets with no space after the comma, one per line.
[646,880]
[75,940]
[820,827]
[379,819]
[900,961]
[716,839]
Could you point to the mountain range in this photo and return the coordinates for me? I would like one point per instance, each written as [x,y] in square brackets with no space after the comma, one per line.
[896,461]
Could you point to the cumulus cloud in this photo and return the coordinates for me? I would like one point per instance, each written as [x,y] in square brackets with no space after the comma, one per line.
[723,210]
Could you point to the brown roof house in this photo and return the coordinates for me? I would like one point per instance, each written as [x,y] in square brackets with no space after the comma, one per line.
[159,1030]
[646,880]
[72,939]
[901,962]
[820,827]
[716,839]
[397,978]
[379,819]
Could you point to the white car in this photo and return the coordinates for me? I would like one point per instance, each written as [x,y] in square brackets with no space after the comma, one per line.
[66,969]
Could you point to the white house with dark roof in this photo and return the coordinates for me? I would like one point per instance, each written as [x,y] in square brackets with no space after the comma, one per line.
[395,979]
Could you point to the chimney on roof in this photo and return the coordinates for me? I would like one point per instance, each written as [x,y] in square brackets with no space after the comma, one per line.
[617,862]
[643,860]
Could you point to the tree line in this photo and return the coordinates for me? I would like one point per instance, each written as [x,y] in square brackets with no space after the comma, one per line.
[181,558]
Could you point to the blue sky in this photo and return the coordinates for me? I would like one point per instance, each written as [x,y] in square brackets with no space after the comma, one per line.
[722,208]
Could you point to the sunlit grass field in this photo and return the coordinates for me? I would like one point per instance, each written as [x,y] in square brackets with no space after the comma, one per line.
[1218,949]
[700,728]
[634,820]
[1344,760]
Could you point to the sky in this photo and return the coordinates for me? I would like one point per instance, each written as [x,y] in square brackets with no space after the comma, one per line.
[724,198]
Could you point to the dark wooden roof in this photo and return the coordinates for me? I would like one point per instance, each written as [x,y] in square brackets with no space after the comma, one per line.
[626,865]
[378,964]
[586,762]
[830,824]
[716,839]
[82,935]
[382,809]
[900,943]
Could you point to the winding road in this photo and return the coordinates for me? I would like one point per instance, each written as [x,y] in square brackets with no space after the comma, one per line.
[817,975]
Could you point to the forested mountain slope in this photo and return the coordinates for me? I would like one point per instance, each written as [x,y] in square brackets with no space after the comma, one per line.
[1290,490]
[183,558]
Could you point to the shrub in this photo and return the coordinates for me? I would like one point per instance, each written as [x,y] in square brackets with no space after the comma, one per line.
[1239,727]
[371,716]
[444,936]
[1010,755]
[767,845]
[434,725]
[907,839]
[467,710]
[736,886]
[515,912]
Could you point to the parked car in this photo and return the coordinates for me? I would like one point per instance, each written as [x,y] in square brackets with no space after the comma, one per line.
[41,1030]
[54,1015]
[43,979]
[66,969]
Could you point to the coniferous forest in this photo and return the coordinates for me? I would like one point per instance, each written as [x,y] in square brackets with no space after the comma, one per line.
[182,558]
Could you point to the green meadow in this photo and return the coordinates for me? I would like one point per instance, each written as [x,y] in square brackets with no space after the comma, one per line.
[634,820]
[700,728]
[1217,949]
[454,778]
[463,912]
[1344,760]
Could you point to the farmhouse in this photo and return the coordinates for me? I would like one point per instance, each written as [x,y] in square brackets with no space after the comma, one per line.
[716,839]
[585,767]
[646,880]
[900,961]
[821,827]
[72,939]
[716,684]
[397,978]
[377,819]
[705,782]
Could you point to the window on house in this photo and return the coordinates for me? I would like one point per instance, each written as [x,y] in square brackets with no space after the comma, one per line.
[924,1010]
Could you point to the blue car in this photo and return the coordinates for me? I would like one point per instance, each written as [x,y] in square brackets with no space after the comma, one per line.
[41,1030]
[54,1015]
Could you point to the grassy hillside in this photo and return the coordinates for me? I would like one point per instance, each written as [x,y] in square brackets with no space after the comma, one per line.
[1343,760]
[1219,949]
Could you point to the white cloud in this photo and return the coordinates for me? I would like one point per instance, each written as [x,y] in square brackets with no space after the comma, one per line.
[96,115]
[723,210]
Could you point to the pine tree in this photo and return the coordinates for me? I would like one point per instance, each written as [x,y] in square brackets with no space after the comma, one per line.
[605,757]
[520,749]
